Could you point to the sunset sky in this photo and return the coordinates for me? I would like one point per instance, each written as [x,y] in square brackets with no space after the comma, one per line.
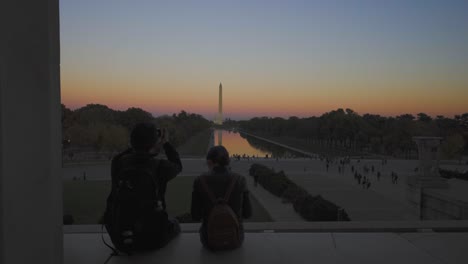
[274,58]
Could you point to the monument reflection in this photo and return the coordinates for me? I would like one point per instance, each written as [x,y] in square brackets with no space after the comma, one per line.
[235,144]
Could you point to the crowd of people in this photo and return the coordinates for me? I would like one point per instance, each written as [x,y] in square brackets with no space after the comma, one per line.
[363,174]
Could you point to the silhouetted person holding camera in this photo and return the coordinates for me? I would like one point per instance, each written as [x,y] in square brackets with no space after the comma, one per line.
[136,217]
[220,199]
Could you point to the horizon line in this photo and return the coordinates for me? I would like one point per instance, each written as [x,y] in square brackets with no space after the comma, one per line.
[242,117]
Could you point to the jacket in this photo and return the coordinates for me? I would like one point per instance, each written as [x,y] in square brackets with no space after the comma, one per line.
[165,171]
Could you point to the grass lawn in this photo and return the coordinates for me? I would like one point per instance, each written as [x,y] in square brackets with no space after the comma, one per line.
[86,200]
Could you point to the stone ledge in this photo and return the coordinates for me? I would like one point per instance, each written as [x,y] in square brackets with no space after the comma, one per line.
[317,227]
[276,248]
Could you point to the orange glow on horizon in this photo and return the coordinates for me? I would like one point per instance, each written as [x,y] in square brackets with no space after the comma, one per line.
[246,102]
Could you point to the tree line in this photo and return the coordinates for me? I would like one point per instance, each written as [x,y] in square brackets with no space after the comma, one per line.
[369,133]
[97,127]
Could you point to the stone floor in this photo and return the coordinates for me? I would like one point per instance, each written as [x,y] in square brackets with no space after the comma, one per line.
[302,247]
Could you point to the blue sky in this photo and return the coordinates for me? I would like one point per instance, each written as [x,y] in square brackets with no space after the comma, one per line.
[317,54]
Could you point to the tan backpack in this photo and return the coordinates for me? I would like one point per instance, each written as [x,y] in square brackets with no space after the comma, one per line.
[223,227]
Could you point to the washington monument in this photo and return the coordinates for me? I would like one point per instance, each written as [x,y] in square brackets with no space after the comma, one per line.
[219,120]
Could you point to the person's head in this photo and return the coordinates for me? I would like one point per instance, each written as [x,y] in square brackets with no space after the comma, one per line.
[143,136]
[217,156]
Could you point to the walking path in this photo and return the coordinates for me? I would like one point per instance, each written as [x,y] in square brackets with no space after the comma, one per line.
[279,211]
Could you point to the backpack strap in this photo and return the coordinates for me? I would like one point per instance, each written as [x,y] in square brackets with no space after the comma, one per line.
[114,251]
[207,189]
[234,178]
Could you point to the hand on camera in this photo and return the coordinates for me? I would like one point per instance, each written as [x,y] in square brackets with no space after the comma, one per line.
[164,136]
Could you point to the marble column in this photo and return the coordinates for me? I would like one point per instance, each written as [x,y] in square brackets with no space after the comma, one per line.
[30,134]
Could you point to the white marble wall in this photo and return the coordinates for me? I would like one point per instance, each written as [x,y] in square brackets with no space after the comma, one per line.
[30,134]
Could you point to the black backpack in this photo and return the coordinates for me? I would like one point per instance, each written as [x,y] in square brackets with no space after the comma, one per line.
[223,226]
[134,218]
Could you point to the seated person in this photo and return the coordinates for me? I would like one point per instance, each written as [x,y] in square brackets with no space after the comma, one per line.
[135,216]
[220,199]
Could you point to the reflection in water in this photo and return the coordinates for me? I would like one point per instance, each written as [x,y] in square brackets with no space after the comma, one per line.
[275,150]
[240,144]
[220,137]
[236,145]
